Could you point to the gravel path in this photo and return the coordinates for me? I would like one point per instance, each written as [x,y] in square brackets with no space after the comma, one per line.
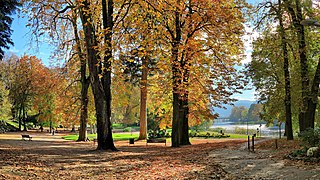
[261,164]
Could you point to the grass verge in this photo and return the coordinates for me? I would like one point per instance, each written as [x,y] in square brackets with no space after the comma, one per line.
[116,137]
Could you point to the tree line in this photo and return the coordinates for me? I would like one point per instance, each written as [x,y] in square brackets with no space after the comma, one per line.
[243,114]
[187,50]
[285,67]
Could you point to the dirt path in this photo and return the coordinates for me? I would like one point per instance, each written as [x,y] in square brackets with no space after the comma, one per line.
[262,164]
[50,157]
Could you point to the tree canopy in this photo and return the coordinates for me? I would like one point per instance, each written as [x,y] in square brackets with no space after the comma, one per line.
[7,8]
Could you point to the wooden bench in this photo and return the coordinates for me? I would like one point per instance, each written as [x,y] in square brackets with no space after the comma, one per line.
[24,136]
[157,141]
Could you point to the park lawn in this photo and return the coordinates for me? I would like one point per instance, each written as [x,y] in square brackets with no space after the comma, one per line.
[238,136]
[116,136]
[127,136]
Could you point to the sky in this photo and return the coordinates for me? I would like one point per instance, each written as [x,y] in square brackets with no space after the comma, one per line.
[21,38]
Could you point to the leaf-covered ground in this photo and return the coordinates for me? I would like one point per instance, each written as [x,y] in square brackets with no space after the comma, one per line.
[49,157]
[266,162]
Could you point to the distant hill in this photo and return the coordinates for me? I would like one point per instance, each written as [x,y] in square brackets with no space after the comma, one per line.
[226,112]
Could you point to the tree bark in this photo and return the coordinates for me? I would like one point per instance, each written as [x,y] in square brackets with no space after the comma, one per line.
[107,18]
[102,94]
[84,84]
[50,128]
[143,99]
[24,117]
[73,129]
[176,73]
[287,99]
[19,118]
[299,28]
[184,138]
[84,111]
[313,98]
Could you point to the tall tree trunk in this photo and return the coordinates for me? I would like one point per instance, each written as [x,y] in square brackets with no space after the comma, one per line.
[175,136]
[296,15]
[84,110]
[143,99]
[101,101]
[19,118]
[287,100]
[73,129]
[107,18]
[313,98]
[50,128]
[24,117]
[176,73]
[84,84]
[184,138]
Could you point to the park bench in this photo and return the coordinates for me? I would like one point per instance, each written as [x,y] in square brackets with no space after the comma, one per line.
[157,141]
[24,136]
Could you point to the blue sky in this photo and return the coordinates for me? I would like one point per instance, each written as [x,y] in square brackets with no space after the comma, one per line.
[22,45]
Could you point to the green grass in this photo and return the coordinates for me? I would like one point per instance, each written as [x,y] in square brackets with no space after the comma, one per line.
[126,136]
[16,125]
[232,136]
[118,126]
[116,137]
[238,136]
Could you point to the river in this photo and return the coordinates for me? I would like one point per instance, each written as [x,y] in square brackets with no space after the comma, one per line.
[230,127]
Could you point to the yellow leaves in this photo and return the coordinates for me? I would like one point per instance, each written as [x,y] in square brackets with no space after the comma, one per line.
[100,76]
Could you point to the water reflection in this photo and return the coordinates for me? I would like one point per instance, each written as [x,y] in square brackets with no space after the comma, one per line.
[232,127]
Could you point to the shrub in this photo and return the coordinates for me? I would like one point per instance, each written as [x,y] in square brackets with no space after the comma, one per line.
[157,134]
[127,129]
[117,126]
[310,137]
[299,152]
[238,130]
[218,129]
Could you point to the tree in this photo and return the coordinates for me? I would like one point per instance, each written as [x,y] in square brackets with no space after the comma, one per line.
[239,113]
[29,83]
[59,20]
[138,66]
[276,12]
[190,31]
[125,106]
[5,106]
[295,44]
[308,91]
[7,8]
[287,99]
[254,112]
[100,70]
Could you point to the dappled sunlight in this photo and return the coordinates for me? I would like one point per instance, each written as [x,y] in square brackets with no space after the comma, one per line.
[69,159]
